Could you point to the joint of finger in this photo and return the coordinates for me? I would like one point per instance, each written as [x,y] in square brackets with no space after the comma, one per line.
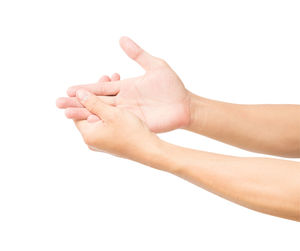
[93,104]
[161,62]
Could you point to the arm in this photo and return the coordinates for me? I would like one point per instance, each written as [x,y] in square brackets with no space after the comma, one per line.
[160,99]
[270,129]
[267,185]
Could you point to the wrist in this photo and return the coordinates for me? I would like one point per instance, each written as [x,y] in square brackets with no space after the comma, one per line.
[157,155]
[198,111]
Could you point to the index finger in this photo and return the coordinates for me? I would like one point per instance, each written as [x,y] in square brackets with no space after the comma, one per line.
[105,88]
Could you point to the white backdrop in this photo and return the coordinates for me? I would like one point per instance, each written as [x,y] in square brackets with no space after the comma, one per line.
[55,194]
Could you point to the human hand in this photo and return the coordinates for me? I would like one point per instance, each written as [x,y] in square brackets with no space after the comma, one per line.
[75,110]
[119,132]
[158,97]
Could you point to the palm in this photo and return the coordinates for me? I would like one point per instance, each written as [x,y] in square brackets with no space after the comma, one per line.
[158,98]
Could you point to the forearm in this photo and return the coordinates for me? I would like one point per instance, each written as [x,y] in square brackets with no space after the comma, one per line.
[270,129]
[267,185]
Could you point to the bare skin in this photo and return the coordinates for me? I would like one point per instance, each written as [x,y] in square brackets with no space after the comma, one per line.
[269,129]
[158,97]
[124,125]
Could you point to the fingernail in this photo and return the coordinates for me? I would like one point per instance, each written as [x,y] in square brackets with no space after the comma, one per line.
[82,94]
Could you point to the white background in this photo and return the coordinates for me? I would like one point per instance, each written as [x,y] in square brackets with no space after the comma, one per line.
[55,194]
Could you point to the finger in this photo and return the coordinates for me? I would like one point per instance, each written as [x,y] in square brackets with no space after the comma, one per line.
[66,102]
[115,77]
[77,113]
[109,100]
[71,92]
[105,88]
[82,126]
[94,105]
[87,129]
[136,53]
[93,118]
[104,78]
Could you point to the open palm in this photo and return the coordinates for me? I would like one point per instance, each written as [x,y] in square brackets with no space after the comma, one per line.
[158,97]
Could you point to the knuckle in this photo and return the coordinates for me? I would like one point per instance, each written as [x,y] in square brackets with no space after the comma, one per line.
[93,105]
[102,88]
[162,62]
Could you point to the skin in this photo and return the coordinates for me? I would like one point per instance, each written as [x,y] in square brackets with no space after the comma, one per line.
[158,101]
[268,129]
[158,97]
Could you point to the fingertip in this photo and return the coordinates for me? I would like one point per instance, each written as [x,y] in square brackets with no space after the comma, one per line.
[71,92]
[83,94]
[135,52]
[130,47]
[123,39]
[115,77]
[104,78]
[59,103]
[93,118]
[69,113]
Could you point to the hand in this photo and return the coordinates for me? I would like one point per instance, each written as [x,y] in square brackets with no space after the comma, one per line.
[74,109]
[159,98]
[119,132]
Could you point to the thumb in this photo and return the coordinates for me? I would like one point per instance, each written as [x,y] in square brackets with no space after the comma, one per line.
[93,104]
[136,53]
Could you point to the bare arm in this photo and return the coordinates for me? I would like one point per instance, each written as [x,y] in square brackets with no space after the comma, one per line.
[160,99]
[267,185]
[269,129]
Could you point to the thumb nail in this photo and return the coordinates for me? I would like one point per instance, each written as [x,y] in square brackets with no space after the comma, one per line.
[82,95]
